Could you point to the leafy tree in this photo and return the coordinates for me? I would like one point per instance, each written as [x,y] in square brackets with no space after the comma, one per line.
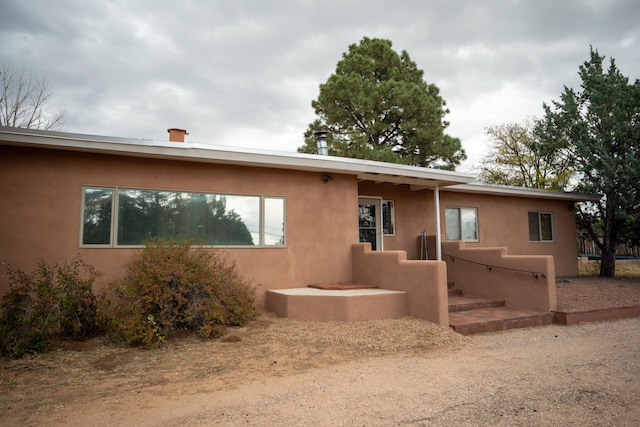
[518,156]
[600,126]
[23,101]
[377,106]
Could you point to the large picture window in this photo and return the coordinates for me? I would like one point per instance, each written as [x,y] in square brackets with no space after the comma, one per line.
[541,227]
[461,224]
[127,217]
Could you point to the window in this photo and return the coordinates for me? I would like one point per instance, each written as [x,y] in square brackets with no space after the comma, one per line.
[273,221]
[461,224]
[127,217]
[388,217]
[97,216]
[541,227]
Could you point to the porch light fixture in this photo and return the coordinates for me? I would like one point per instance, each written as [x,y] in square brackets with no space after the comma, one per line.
[326,178]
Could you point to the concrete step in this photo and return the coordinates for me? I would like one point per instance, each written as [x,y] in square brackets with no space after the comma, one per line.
[496,319]
[342,305]
[459,302]
[454,291]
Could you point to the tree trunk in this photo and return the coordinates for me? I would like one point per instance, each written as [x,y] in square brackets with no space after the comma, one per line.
[609,241]
[608,262]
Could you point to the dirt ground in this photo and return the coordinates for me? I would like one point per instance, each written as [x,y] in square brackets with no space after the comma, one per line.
[389,372]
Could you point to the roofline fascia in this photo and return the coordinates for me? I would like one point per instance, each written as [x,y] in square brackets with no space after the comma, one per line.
[205,153]
[481,188]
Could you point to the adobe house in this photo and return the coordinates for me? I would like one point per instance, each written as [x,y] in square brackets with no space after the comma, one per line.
[393,237]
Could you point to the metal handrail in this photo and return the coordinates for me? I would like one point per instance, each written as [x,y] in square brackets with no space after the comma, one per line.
[490,267]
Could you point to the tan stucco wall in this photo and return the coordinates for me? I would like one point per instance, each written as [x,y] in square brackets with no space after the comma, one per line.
[522,281]
[40,193]
[503,222]
[424,281]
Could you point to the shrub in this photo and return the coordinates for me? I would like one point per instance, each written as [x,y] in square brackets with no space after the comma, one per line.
[47,305]
[171,286]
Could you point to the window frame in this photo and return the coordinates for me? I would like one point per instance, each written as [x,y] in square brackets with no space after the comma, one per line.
[115,200]
[459,209]
[112,236]
[263,221]
[540,224]
[391,206]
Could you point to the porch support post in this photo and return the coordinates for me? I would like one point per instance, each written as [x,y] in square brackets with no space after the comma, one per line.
[436,197]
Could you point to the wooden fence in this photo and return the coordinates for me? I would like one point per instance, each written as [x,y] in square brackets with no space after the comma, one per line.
[586,246]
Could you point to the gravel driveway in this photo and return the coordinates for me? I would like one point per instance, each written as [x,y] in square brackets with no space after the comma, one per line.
[585,375]
[280,372]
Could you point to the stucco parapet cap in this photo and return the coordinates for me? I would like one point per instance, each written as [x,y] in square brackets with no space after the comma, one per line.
[207,153]
[505,190]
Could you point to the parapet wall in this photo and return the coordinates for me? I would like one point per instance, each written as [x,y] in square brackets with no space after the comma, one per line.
[424,281]
[523,281]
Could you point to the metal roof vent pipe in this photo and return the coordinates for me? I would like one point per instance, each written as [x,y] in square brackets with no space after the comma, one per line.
[177,135]
[321,140]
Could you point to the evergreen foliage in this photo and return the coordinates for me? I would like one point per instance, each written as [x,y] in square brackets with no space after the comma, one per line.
[377,106]
[600,127]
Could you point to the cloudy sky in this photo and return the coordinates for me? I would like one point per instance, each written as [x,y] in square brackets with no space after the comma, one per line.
[244,72]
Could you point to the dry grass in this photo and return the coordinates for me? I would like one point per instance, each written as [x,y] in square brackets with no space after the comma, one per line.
[625,269]
[268,347]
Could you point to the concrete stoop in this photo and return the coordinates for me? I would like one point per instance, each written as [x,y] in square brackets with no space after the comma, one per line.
[472,315]
[342,305]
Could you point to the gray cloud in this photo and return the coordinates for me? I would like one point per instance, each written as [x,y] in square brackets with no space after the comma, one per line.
[244,73]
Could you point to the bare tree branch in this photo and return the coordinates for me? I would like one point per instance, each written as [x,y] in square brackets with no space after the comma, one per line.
[24,101]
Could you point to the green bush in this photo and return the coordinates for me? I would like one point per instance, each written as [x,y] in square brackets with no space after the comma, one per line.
[47,305]
[170,286]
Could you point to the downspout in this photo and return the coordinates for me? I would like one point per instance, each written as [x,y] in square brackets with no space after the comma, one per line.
[436,197]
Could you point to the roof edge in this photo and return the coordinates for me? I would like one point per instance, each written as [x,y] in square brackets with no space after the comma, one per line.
[505,190]
[209,153]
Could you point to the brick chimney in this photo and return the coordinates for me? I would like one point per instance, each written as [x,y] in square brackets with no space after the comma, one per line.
[177,135]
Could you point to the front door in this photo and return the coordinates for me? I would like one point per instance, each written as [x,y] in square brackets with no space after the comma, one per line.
[370,221]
